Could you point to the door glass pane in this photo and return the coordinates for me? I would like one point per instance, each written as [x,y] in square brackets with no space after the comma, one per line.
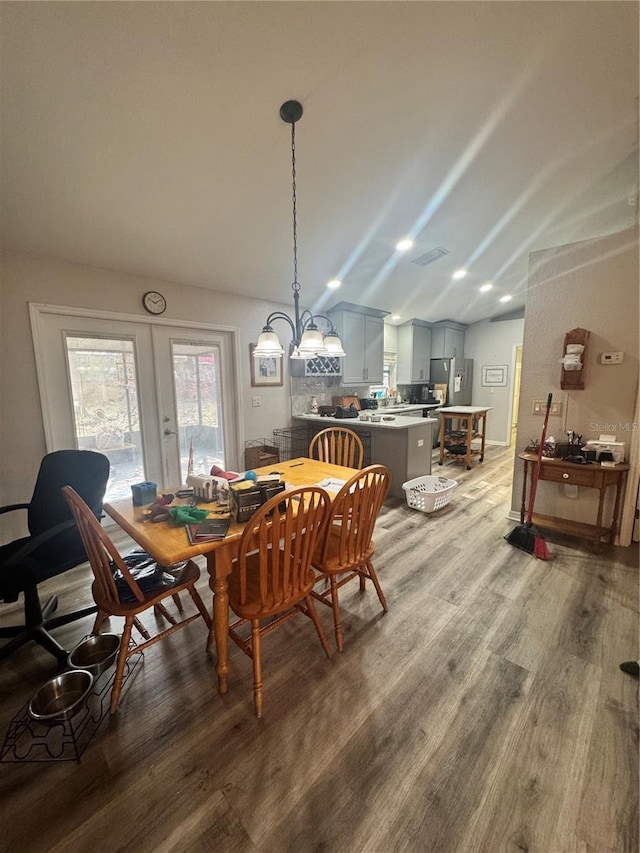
[106,406]
[196,377]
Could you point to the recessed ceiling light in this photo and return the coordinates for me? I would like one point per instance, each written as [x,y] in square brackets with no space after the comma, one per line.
[334,283]
[405,244]
[458,274]
[506,298]
[395,316]
[486,287]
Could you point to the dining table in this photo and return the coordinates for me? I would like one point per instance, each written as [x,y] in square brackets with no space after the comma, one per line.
[168,542]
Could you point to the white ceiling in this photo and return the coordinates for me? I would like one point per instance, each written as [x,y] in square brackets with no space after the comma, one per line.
[146,138]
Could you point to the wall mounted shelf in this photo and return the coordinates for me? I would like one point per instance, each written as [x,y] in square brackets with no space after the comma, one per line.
[573,380]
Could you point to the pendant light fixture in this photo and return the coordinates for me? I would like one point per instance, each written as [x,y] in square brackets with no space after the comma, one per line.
[307,338]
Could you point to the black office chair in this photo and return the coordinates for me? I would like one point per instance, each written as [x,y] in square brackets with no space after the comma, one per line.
[53,546]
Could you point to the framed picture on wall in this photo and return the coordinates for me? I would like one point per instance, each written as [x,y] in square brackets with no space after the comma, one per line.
[264,371]
[495,374]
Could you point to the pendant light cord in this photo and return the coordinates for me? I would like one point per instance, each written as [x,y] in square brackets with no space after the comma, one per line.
[296,285]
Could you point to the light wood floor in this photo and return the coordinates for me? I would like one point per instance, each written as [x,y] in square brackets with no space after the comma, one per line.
[484,713]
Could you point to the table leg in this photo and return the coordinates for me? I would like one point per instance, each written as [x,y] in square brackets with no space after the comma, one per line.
[484,435]
[469,439]
[616,509]
[523,502]
[603,492]
[219,567]
[443,424]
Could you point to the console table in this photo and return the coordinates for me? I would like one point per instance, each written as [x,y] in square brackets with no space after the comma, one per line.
[465,426]
[591,476]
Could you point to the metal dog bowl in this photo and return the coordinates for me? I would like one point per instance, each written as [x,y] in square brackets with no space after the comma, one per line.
[61,697]
[95,654]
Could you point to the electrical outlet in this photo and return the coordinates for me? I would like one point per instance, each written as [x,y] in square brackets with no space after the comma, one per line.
[256,402]
[611,357]
[421,442]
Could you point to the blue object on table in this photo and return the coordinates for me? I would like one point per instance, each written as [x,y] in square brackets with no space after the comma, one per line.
[144,493]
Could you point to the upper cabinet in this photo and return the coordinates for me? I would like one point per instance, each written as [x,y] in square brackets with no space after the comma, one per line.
[414,352]
[447,339]
[361,331]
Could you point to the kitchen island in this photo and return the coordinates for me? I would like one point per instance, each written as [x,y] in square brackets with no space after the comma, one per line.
[402,444]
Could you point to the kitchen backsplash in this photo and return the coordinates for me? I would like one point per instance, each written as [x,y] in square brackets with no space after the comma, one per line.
[323,388]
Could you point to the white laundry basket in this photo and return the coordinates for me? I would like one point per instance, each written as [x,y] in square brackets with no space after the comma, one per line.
[429,493]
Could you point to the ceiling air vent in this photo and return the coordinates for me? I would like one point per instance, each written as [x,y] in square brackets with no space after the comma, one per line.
[430,257]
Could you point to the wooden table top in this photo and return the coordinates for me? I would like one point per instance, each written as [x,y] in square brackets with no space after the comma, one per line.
[556,462]
[168,543]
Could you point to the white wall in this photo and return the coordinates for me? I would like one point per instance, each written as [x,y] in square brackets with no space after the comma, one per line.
[592,285]
[493,344]
[26,279]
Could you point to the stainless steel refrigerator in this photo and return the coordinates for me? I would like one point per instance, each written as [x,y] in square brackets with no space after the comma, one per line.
[457,375]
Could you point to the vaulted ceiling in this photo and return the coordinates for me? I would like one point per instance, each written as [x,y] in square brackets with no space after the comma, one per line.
[146,138]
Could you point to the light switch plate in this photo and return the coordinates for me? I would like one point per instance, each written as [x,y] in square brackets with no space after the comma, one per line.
[540,407]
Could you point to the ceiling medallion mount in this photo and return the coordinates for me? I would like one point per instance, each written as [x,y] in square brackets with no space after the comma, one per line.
[291,112]
[308,340]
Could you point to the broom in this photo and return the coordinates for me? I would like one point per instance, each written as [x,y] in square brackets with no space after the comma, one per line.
[526,536]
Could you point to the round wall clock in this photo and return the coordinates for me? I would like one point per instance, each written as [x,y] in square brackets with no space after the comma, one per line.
[154,302]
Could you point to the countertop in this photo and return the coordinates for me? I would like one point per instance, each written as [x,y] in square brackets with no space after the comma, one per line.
[403,422]
[466,410]
[406,407]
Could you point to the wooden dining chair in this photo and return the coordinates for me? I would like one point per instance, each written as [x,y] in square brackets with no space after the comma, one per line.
[272,575]
[338,445]
[346,550]
[128,585]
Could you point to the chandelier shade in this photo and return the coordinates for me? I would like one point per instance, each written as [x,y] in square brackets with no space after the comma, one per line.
[307,339]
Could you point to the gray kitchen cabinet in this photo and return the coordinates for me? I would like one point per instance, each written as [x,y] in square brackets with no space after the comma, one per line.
[361,331]
[447,340]
[414,352]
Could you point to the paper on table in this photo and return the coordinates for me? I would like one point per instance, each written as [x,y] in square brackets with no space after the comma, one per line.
[330,484]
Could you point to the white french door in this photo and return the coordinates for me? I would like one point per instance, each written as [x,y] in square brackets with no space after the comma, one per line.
[147,395]
[192,368]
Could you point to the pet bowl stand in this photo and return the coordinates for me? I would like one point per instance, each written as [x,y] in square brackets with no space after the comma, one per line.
[29,740]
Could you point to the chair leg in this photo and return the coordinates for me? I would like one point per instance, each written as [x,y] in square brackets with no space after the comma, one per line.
[363,581]
[199,603]
[162,611]
[376,583]
[32,609]
[141,628]
[44,638]
[123,654]
[257,666]
[39,635]
[336,612]
[50,607]
[101,618]
[311,607]
[177,602]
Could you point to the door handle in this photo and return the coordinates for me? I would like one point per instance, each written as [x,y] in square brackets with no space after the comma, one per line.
[168,431]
